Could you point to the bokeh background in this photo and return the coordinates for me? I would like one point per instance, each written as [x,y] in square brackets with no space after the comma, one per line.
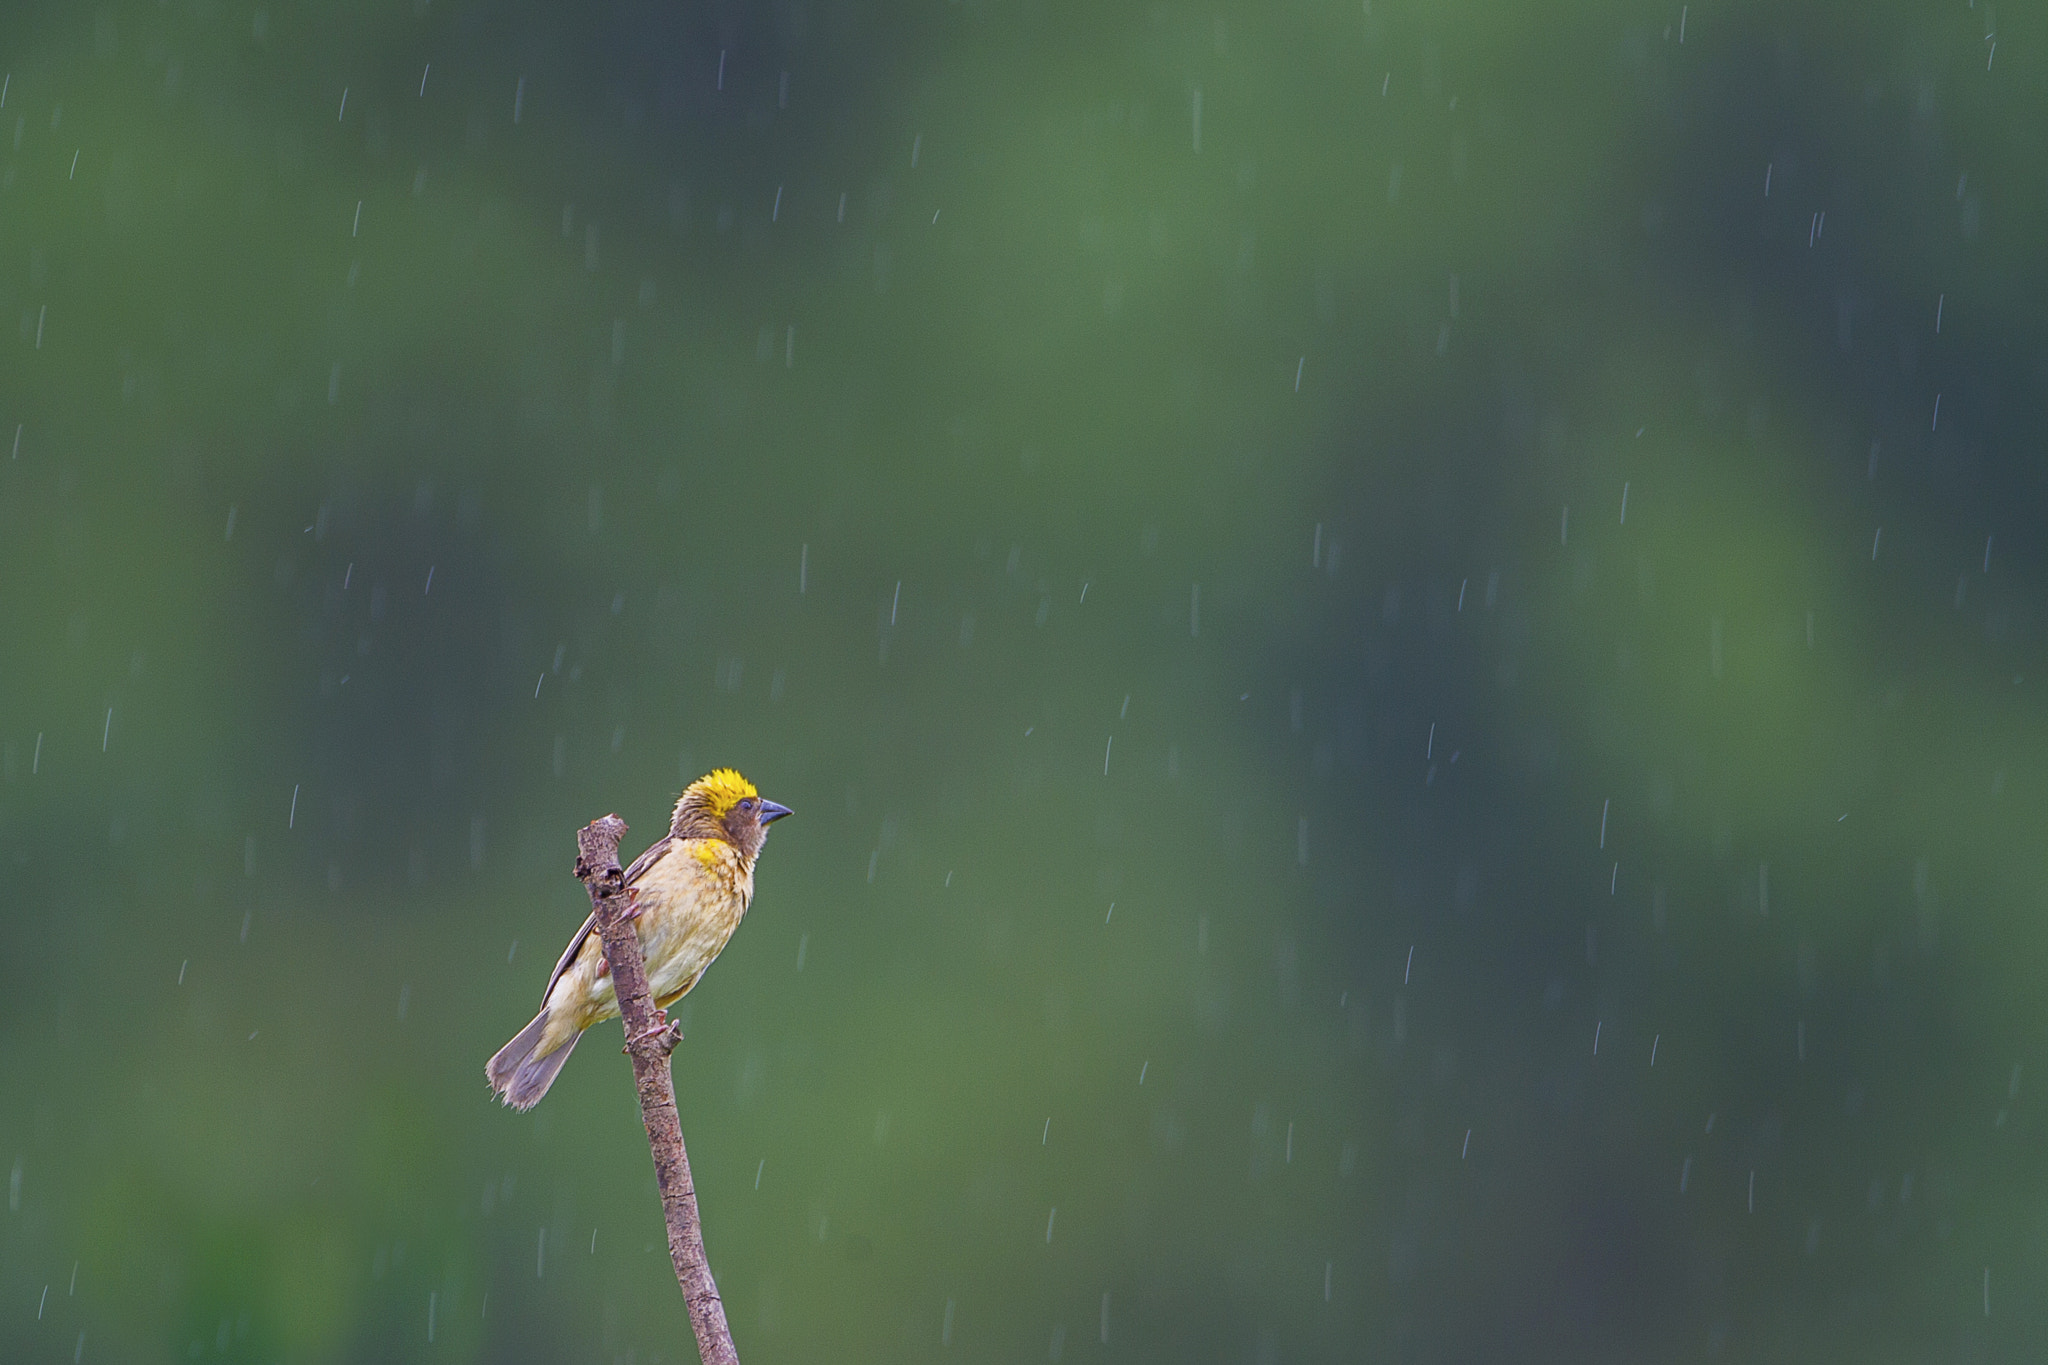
[1405,636]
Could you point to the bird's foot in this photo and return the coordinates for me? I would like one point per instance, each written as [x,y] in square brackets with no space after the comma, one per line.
[664,1033]
[632,910]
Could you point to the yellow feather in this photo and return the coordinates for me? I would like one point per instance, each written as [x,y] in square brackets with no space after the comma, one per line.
[687,914]
[719,791]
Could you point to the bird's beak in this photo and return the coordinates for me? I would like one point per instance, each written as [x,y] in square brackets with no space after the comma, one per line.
[772,811]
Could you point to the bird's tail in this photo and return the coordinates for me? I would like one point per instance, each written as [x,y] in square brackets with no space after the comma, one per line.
[520,1073]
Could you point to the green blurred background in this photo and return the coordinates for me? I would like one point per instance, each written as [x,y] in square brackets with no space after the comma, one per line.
[1405,637]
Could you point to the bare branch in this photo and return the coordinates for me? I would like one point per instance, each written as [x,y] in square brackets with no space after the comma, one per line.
[650,1038]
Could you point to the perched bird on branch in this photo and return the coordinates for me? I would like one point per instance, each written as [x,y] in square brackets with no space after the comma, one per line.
[690,892]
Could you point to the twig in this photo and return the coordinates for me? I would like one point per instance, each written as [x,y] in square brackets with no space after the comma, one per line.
[650,1038]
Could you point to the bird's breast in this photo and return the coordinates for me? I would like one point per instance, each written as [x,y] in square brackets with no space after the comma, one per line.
[690,903]
[690,900]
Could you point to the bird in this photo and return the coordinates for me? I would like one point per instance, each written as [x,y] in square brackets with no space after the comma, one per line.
[690,891]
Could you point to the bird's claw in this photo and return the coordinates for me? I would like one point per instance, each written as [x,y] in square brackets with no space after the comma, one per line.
[664,1033]
[632,910]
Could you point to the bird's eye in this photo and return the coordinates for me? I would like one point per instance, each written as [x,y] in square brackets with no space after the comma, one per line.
[747,804]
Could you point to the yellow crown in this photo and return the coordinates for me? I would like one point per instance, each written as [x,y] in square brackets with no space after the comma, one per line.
[718,791]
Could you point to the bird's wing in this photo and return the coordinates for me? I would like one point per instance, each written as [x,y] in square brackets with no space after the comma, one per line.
[569,956]
[640,865]
[648,859]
